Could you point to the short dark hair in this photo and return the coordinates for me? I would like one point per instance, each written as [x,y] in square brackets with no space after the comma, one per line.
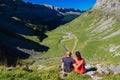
[69,53]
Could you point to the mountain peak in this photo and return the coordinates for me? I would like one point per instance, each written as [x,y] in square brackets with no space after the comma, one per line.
[108,4]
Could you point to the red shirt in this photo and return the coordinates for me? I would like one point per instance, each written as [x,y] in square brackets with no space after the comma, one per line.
[79,66]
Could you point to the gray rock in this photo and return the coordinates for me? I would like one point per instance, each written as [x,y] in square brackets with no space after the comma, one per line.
[115,70]
[107,4]
[9,68]
[112,67]
[103,69]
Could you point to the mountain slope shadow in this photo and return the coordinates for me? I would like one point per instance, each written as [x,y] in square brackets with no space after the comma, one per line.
[19,47]
[15,17]
[16,45]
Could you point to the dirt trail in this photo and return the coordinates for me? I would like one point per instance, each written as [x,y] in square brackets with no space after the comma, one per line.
[68,36]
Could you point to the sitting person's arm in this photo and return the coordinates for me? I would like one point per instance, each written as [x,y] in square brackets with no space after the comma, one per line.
[82,62]
[78,65]
[62,59]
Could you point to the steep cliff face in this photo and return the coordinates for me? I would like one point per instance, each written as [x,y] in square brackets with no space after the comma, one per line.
[108,4]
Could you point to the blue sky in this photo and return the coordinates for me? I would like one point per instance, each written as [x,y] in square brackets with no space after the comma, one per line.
[77,4]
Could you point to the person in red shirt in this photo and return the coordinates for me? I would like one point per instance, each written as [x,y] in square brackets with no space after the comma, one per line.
[79,65]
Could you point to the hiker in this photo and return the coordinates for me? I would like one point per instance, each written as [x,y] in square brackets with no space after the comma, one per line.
[79,65]
[67,63]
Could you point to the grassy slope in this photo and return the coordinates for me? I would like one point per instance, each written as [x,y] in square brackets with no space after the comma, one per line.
[93,49]
[89,43]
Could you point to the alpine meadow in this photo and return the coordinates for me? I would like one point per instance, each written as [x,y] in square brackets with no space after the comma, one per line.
[95,33]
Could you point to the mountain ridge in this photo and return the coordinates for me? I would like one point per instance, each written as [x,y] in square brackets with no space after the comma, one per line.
[23,27]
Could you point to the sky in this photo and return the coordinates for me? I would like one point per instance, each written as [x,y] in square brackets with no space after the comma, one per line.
[76,4]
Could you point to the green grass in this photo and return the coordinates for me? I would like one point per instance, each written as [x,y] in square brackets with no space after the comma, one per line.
[75,76]
[19,73]
[92,48]
[33,38]
[113,77]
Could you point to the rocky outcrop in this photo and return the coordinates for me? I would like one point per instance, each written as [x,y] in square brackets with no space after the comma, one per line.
[102,69]
[115,69]
[107,4]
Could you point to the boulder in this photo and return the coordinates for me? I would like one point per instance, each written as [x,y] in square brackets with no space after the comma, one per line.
[103,69]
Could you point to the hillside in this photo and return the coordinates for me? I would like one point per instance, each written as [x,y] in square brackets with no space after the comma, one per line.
[23,26]
[95,33]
